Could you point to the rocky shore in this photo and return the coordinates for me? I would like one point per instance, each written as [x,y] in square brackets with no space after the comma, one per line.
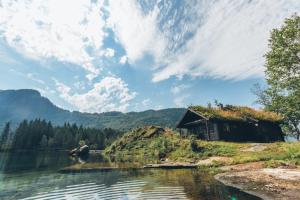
[266,183]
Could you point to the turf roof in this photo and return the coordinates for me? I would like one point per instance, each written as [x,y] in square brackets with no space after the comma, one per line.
[236,113]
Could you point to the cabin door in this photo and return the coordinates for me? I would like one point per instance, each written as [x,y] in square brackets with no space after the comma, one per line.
[213,131]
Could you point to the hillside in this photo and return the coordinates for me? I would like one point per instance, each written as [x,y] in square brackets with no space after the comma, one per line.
[150,142]
[17,105]
[156,143]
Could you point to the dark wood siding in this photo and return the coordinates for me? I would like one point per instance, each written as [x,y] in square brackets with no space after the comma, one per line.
[247,130]
[199,131]
[250,132]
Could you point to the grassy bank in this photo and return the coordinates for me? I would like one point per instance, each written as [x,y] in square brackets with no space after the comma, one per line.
[157,144]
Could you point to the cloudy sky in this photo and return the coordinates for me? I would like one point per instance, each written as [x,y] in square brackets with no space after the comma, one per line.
[132,55]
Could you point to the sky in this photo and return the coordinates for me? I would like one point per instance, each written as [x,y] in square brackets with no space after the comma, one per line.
[133,55]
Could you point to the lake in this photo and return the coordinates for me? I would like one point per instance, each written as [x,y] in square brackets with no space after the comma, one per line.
[34,175]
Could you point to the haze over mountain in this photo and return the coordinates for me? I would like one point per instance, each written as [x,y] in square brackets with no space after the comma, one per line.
[17,105]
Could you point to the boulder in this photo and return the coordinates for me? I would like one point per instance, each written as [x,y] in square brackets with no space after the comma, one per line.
[80,151]
[84,150]
[73,152]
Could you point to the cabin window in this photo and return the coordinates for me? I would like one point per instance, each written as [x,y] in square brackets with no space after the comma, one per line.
[226,127]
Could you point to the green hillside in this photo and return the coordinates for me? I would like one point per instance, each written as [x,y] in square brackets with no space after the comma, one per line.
[156,144]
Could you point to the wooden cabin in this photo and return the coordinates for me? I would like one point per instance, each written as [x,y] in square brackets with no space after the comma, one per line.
[231,123]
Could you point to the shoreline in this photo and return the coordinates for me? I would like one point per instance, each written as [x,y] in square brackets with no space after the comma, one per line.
[265,183]
[227,183]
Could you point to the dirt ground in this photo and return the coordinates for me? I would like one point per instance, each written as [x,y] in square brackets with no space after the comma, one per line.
[267,183]
[214,159]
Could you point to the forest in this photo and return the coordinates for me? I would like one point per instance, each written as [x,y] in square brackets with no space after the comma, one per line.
[41,134]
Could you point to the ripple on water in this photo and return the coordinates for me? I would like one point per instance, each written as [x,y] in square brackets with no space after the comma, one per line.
[126,190]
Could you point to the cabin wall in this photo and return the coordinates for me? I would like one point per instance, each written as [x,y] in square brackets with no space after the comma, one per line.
[250,132]
[213,131]
[204,131]
[236,131]
[198,130]
[269,131]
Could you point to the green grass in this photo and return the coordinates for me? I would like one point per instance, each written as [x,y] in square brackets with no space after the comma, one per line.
[280,151]
[155,144]
[236,113]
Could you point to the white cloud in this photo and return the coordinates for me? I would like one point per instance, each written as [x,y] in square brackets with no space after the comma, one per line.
[109,52]
[221,39]
[158,107]
[54,29]
[180,100]
[110,94]
[137,31]
[231,40]
[179,88]
[33,77]
[146,102]
[45,91]
[123,60]
[80,85]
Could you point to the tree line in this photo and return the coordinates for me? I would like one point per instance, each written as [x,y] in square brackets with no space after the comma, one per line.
[41,134]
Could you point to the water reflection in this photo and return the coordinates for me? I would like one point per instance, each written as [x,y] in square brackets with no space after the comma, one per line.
[36,177]
[33,160]
[120,190]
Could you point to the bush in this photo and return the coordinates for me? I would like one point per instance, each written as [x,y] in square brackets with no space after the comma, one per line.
[293,152]
[193,143]
[81,143]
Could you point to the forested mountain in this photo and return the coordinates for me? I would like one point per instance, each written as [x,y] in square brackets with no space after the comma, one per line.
[17,105]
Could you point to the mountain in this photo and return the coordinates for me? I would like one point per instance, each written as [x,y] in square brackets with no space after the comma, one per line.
[17,105]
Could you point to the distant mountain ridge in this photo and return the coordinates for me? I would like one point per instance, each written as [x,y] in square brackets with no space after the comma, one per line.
[17,105]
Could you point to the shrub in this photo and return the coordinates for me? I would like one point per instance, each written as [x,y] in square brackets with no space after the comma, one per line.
[293,151]
[81,143]
[193,143]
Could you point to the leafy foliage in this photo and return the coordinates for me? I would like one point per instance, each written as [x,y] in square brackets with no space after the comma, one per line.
[283,75]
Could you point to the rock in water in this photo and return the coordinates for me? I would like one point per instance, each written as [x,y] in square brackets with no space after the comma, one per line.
[80,151]
[74,152]
[84,150]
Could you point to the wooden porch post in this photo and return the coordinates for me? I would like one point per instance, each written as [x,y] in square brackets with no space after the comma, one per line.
[207,133]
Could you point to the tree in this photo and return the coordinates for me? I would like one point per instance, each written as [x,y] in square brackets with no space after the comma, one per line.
[44,142]
[5,134]
[282,94]
[38,133]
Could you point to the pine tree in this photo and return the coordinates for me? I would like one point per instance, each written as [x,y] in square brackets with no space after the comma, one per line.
[4,135]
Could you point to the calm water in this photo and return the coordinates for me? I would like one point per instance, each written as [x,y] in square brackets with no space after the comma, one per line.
[34,175]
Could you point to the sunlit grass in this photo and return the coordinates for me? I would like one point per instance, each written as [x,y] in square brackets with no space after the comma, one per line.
[156,144]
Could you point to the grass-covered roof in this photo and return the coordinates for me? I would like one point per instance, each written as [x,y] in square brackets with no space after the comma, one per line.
[236,113]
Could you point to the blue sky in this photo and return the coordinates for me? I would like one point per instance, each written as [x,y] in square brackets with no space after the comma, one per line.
[130,55]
